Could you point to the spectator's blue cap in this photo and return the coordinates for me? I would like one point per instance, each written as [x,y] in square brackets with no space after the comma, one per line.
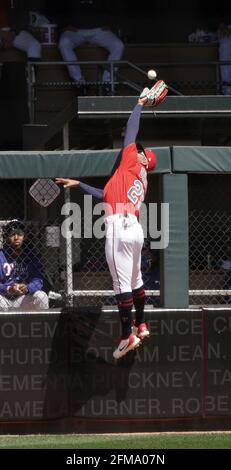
[14,226]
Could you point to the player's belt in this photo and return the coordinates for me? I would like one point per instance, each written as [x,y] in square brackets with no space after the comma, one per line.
[128,219]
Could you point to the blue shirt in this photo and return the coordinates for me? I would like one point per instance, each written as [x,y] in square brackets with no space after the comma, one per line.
[25,268]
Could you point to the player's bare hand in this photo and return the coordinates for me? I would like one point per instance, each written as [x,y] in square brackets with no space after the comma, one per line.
[143,100]
[66,182]
[14,290]
[23,288]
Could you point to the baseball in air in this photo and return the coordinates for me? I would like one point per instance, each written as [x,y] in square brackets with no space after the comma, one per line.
[152,74]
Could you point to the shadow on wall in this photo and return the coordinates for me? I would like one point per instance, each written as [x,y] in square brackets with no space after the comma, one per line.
[13,105]
[82,369]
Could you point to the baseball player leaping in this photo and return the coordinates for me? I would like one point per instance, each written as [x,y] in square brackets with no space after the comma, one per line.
[123,195]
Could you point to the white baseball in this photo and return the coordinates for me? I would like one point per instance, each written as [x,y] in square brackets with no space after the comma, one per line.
[152,74]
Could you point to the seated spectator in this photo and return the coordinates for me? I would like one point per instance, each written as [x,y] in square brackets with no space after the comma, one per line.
[21,280]
[88,22]
[14,22]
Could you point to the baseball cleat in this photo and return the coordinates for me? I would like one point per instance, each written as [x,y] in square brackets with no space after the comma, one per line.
[141,331]
[126,345]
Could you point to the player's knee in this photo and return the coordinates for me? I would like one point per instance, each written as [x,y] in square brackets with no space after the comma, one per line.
[116,46]
[3,304]
[40,300]
[34,48]
[65,43]
[119,47]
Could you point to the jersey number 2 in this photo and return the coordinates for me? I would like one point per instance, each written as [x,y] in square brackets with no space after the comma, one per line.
[135,191]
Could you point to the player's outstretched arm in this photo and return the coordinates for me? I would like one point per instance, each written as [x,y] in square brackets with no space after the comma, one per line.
[67,182]
[133,124]
[143,100]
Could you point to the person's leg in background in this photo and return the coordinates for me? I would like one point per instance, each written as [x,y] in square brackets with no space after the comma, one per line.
[5,304]
[225,70]
[36,301]
[40,300]
[25,42]
[69,40]
[109,41]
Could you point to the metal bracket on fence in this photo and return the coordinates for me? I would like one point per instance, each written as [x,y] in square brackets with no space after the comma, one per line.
[109,293]
[94,293]
[210,292]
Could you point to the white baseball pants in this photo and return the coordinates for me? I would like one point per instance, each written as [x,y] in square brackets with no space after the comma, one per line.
[124,242]
[37,301]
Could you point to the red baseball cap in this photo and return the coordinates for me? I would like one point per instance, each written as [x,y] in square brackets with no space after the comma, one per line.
[151,159]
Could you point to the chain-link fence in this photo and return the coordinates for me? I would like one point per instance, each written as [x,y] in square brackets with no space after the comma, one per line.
[91,281]
[31,251]
[210,238]
[37,252]
[74,270]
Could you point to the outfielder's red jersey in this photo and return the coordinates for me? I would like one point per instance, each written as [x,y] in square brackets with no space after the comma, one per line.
[125,190]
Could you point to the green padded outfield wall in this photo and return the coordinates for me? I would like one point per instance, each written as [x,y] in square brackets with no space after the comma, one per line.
[99,163]
[201,159]
[179,160]
[72,163]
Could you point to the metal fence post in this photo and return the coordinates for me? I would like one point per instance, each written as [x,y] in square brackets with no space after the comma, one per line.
[31,97]
[68,241]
